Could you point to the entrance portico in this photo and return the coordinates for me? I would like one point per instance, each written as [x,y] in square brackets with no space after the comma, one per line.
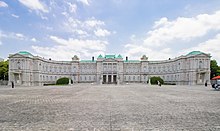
[109,79]
[16,78]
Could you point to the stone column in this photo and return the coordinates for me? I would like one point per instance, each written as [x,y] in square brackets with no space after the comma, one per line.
[100,79]
[118,79]
[19,78]
[69,81]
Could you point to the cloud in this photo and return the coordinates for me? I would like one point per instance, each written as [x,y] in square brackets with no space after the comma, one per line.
[92,22]
[34,40]
[3,4]
[85,2]
[196,33]
[20,36]
[78,44]
[12,35]
[16,36]
[34,5]
[81,33]
[136,51]
[42,17]
[13,15]
[90,27]
[72,7]
[102,32]
[66,48]
[210,46]
[165,31]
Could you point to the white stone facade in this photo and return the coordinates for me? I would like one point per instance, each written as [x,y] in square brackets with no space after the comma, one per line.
[28,70]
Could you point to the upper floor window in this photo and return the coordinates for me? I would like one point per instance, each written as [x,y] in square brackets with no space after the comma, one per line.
[200,64]
[19,65]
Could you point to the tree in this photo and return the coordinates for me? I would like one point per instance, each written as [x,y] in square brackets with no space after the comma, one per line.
[4,70]
[215,69]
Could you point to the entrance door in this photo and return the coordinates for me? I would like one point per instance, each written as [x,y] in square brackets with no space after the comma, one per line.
[104,79]
[115,79]
[109,78]
[16,78]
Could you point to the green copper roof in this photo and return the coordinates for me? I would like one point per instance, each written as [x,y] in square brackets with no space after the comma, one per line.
[119,56]
[100,56]
[25,53]
[109,56]
[195,53]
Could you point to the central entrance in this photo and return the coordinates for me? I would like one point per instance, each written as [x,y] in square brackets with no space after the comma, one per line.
[104,79]
[115,79]
[109,79]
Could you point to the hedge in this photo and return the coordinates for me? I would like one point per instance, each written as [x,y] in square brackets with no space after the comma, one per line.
[63,81]
[154,80]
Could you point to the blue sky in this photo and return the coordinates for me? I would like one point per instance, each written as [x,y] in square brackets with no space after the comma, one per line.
[60,29]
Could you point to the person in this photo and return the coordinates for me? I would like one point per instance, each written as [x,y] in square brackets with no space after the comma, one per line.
[158,82]
[206,84]
[12,84]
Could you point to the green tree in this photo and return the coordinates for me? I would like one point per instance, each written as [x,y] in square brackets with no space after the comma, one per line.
[4,70]
[215,69]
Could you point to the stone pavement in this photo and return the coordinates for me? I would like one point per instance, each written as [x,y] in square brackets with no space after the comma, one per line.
[131,107]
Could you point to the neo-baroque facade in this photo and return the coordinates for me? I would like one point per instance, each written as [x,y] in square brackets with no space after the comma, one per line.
[28,70]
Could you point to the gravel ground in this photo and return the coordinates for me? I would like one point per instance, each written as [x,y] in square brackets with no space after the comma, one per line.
[133,107]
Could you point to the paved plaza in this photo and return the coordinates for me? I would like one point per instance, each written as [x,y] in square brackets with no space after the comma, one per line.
[110,107]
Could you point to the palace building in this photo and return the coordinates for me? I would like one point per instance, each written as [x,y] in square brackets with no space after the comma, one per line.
[28,70]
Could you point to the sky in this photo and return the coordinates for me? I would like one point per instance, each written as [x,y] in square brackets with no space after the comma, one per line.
[60,29]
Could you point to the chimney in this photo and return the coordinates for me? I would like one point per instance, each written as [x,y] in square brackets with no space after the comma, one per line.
[126,58]
[93,58]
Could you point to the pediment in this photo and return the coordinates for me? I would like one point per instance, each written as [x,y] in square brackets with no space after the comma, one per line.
[16,56]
